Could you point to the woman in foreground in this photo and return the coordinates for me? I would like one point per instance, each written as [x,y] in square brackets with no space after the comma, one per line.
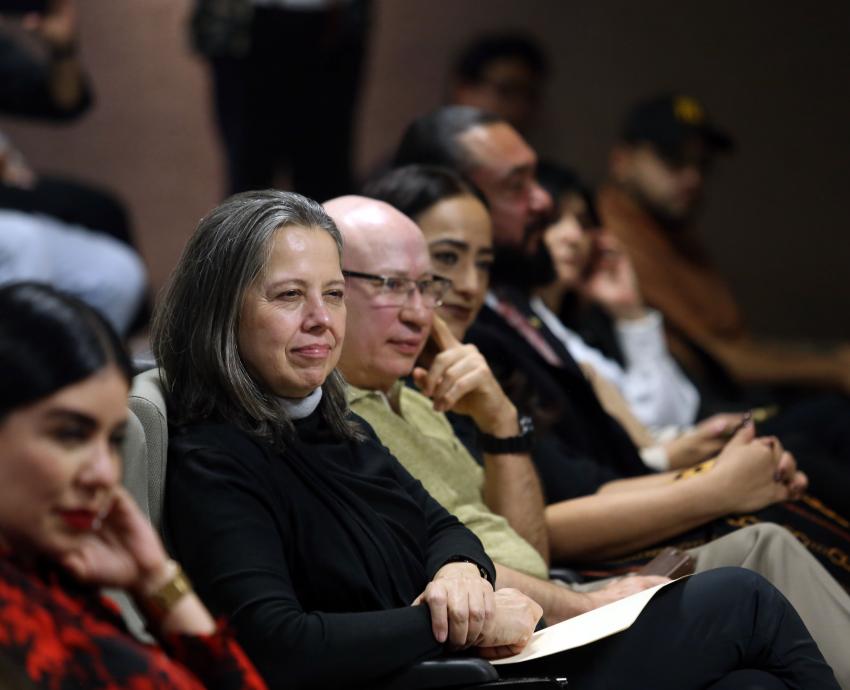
[68,528]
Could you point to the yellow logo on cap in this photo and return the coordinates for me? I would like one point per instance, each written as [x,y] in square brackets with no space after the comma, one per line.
[688,110]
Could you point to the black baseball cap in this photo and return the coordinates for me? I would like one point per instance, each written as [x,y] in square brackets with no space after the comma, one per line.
[669,120]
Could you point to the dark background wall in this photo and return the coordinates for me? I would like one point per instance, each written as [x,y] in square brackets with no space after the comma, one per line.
[776,74]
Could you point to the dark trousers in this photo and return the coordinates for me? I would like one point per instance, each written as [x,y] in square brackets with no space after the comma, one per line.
[712,630]
[290,104]
[816,429]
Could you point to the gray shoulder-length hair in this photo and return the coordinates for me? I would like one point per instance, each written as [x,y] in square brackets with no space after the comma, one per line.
[196,324]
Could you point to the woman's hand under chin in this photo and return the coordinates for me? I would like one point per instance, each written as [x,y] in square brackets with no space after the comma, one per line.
[613,283]
[124,552]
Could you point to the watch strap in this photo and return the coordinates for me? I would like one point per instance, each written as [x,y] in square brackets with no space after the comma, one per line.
[521,443]
[481,569]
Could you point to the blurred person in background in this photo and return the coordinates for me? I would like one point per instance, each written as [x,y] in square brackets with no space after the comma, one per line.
[503,73]
[285,83]
[657,175]
[98,269]
[57,229]
[596,309]
[594,275]
[40,70]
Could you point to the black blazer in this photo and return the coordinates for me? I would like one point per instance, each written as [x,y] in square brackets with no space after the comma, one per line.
[561,399]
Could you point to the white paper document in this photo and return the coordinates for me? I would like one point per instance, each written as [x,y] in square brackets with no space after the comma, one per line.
[586,628]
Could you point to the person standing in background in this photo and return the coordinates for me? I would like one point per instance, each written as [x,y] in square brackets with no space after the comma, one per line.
[68,233]
[285,80]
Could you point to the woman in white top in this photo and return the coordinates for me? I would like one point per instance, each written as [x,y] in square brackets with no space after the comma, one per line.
[591,267]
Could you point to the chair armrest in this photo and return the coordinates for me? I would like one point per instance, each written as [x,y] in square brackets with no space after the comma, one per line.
[443,673]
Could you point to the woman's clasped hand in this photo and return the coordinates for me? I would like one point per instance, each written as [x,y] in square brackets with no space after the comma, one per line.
[466,612]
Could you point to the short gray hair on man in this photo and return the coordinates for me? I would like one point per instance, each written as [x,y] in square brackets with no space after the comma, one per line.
[196,325]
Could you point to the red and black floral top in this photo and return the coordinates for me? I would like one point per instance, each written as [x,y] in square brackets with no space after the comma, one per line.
[64,634]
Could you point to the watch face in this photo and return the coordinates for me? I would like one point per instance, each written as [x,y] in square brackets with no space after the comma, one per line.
[526,426]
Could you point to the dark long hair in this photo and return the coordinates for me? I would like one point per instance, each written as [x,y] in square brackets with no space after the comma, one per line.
[49,340]
[413,189]
[560,180]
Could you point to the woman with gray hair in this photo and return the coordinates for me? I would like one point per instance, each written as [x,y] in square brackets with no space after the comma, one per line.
[288,514]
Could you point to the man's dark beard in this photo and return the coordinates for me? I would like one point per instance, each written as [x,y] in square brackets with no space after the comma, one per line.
[523,270]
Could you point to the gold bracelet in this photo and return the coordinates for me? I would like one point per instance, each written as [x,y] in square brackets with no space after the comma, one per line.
[697,469]
[160,602]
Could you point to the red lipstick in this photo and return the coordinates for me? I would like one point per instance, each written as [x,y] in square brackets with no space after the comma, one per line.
[79,520]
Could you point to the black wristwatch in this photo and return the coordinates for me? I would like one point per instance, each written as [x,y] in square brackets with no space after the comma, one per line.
[521,443]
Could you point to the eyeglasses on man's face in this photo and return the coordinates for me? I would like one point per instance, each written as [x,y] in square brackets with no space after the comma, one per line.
[395,290]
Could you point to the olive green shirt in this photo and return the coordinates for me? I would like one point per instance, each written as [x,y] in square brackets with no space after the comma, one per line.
[425,443]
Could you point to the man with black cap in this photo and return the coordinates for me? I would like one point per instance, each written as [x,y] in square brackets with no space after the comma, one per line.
[657,175]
